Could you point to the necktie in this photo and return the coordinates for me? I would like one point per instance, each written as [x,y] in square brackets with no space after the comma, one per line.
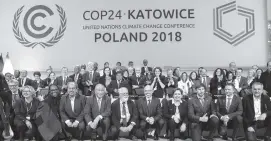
[124,120]
[228,104]
[118,84]
[64,81]
[148,105]
[90,76]
[76,77]
[22,82]
[204,81]
[99,103]
[202,101]
[177,112]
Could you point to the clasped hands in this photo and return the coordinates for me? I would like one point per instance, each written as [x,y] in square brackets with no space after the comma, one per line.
[93,124]
[127,129]
[88,82]
[205,118]
[150,120]
[72,124]
[225,119]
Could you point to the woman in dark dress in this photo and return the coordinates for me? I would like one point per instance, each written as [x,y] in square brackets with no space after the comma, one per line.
[158,83]
[217,83]
[107,77]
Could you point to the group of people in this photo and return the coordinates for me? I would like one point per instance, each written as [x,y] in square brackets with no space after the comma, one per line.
[134,100]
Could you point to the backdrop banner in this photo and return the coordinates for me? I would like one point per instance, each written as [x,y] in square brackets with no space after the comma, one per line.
[183,33]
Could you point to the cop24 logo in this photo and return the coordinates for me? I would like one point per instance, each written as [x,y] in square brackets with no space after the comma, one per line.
[34,30]
[242,35]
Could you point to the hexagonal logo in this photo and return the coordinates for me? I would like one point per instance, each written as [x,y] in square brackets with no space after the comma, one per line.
[242,35]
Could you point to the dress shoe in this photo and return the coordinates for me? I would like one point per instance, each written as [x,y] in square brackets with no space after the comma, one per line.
[144,137]
[224,137]
[234,139]
[134,138]
[156,137]
[267,138]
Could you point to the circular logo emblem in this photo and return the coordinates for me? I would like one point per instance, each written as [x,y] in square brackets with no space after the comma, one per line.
[35,31]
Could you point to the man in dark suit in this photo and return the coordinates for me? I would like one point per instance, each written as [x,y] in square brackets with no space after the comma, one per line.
[90,79]
[77,78]
[98,111]
[124,115]
[175,111]
[72,111]
[232,68]
[145,69]
[229,111]
[63,80]
[23,80]
[38,83]
[114,85]
[150,113]
[201,113]
[257,113]
[136,80]
[204,79]
[241,81]
[265,79]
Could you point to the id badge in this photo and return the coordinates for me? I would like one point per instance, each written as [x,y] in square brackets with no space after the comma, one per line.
[28,117]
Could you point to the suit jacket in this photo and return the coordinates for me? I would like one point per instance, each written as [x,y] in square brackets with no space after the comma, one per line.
[153,110]
[27,82]
[207,85]
[95,80]
[65,108]
[79,80]
[60,82]
[20,109]
[243,82]
[137,81]
[248,105]
[35,84]
[169,110]
[143,70]
[265,79]
[196,110]
[116,115]
[114,85]
[103,81]
[236,107]
[91,109]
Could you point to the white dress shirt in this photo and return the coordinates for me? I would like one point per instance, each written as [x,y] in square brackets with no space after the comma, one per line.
[257,107]
[177,112]
[127,112]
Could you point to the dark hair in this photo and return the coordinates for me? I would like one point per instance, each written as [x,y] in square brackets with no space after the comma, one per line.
[230,84]
[200,68]
[106,63]
[240,69]
[119,63]
[190,75]
[37,73]
[221,71]
[158,69]
[260,70]
[174,71]
[120,72]
[51,73]
[104,71]
[83,66]
[177,89]
[267,63]
[187,77]
[64,68]
[200,86]
[228,73]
